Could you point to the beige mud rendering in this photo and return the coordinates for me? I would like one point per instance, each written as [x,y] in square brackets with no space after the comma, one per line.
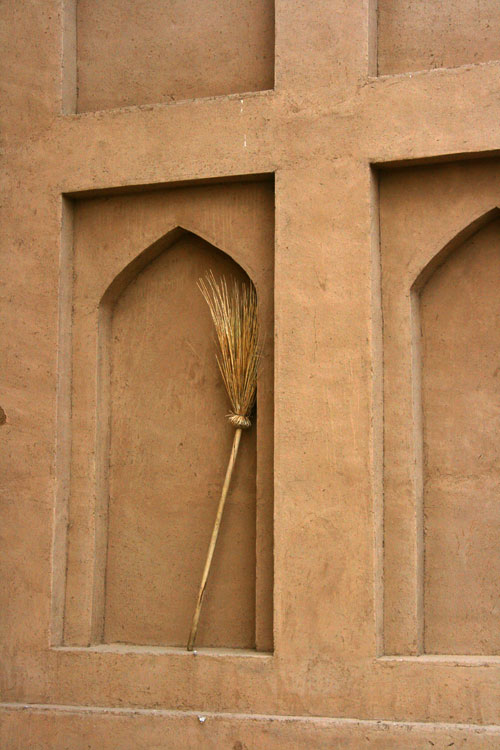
[343,157]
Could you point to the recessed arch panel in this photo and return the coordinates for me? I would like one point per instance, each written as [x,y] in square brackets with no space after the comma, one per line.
[149,440]
[438,591]
[167,444]
[459,312]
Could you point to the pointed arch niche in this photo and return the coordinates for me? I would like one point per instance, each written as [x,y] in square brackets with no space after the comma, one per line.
[440,519]
[149,436]
[457,308]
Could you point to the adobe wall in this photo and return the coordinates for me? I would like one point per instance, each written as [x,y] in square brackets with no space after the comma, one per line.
[344,159]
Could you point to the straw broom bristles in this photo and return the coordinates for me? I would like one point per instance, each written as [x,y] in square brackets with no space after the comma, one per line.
[234,315]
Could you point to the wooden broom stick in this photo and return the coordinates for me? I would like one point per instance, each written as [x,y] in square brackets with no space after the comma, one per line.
[234,314]
[213,540]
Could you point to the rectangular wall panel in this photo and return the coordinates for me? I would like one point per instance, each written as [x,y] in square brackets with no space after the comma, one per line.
[424,34]
[440,273]
[149,435]
[165,51]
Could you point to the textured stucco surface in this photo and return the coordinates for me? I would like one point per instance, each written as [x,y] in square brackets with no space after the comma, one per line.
[423,34]
[54,729]
[324,130]
[149,51]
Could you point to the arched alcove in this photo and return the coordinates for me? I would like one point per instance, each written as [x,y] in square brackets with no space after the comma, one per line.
[458,341]
[163,442]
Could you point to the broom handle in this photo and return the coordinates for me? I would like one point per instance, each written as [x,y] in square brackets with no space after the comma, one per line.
[213,540]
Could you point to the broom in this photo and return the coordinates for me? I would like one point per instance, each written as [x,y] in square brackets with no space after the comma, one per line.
[234,315]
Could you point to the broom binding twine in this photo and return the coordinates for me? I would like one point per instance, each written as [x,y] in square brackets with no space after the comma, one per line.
[239,421]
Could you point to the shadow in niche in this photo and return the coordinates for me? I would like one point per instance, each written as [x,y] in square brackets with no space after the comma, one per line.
[456,361]
[162,444]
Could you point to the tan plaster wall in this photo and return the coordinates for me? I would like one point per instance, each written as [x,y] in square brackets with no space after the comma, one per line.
[423,34]
[149,51]
[330,678]
[53,729]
